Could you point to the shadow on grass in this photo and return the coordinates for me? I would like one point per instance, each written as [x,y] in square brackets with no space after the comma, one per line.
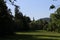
[22,37]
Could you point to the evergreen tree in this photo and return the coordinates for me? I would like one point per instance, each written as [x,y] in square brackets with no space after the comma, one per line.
[6,20]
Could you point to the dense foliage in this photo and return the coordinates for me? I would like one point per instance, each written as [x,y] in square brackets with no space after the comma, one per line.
[10,24]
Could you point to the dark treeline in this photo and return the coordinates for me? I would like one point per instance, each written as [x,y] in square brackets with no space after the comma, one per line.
[10,24]
[49,24]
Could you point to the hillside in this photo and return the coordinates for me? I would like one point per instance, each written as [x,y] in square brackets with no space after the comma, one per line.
[45,19]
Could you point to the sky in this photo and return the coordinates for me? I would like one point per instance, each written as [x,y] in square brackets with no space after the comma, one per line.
[35,8]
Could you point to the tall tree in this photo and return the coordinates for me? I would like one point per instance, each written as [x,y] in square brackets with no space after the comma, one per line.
[6,20]
[18,18]
[26,22]
[55,20]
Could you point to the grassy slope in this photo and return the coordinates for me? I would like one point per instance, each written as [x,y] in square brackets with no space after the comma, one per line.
[37,35]
[42,34]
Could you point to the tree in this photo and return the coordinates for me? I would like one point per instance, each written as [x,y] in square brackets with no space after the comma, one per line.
[58,11]
[33,26]
[18,18]
[22,21]
[26,22]
[6,21]
[33,19]
[55,20]
[52,6]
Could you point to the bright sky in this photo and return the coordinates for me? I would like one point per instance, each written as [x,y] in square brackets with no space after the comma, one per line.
[35,8]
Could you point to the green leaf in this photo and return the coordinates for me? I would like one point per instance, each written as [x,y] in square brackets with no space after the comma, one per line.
[52,6]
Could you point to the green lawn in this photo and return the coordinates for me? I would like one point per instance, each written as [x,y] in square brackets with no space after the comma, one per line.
[37,35]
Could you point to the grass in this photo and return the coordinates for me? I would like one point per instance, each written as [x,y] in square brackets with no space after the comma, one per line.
[40,33]
[36,35]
